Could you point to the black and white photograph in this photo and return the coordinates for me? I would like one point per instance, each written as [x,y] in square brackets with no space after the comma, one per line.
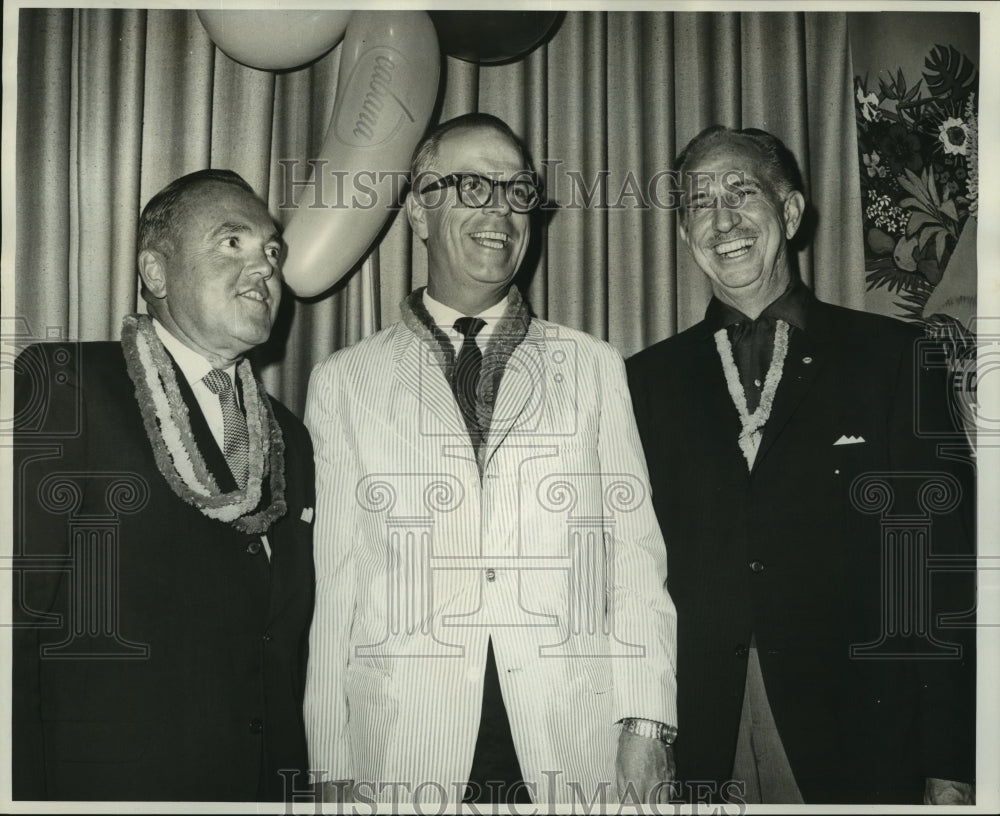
[527,407]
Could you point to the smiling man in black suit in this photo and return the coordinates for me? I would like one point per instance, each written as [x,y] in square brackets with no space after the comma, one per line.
[163,536]
[774,429]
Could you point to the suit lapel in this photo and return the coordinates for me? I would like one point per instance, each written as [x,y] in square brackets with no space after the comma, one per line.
[808,354]
[419,367]
[523,377]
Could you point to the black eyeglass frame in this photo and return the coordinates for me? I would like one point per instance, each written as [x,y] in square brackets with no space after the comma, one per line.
[521,177]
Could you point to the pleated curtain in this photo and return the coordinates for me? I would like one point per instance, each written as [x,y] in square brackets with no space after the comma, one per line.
[113,104]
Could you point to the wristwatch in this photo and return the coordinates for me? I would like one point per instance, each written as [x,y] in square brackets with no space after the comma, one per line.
[650,728]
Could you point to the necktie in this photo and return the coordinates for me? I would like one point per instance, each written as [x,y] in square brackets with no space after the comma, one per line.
[236,445]
[753,344]
[468,368]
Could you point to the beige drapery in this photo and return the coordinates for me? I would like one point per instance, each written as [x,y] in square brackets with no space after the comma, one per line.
[114,104]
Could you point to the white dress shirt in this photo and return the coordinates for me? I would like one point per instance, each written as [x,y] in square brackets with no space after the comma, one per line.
[194,367]
[445,317]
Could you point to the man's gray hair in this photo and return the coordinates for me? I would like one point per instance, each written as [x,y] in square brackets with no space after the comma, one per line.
[159,220]
[782,168]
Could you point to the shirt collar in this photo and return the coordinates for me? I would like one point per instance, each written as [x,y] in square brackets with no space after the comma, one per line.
[792,307]
[192,365]
[445,317]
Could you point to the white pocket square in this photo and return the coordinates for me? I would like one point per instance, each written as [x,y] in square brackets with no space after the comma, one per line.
[849,440]
[307,514]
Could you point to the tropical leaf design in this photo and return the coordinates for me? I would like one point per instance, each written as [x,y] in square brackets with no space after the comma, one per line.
[912,301]
[885,274]
[949,73]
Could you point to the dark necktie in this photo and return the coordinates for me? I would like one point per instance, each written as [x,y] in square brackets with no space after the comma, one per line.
[236,445]
[753,344]
[468,368]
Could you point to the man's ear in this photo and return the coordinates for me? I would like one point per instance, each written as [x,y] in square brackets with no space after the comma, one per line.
[151,270]
[681,228]
[795,207]
[417,216]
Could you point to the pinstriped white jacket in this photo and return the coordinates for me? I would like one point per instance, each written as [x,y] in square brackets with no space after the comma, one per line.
[554,552]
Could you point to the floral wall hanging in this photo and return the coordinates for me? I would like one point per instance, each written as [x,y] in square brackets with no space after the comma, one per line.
[917,145]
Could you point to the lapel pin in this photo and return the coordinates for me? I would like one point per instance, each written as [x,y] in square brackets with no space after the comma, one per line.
[807,360]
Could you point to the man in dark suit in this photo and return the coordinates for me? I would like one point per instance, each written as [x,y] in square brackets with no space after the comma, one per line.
[163,536]
[797,499]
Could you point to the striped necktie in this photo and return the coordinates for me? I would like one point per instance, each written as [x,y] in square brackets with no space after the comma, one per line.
[236,446]
[468,368]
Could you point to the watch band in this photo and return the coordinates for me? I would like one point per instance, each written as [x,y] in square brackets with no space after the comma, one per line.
[651,729]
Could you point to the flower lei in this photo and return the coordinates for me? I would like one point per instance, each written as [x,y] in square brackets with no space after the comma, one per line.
[166,420]
[753,424]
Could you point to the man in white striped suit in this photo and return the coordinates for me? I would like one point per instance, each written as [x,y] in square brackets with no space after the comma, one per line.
[492,620]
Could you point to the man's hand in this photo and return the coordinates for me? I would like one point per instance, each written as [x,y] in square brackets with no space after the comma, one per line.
[642,763]
[946,792]
[342,790]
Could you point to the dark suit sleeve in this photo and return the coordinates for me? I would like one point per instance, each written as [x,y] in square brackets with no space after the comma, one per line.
[634,386]
[637,390]
[306,466]
[47,440]
[640,378]
[921,423]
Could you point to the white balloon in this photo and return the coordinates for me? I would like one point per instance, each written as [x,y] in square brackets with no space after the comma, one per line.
[275,40]
[388,83]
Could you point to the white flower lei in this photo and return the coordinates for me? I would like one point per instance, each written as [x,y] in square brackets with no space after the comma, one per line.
[753,424]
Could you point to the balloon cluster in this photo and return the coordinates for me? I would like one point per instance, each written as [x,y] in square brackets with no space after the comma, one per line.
[386,90]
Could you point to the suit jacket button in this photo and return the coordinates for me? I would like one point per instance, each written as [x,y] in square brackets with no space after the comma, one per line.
[267,637]
[256,726]
[254,547]
[757,566]
[742,651]
[491,574]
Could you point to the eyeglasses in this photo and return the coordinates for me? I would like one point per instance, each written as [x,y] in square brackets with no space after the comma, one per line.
[523,191]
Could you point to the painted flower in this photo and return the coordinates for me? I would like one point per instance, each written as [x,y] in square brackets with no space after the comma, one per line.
[954,136]
[885,215]
[901,149]
[869,105]
[872,164]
